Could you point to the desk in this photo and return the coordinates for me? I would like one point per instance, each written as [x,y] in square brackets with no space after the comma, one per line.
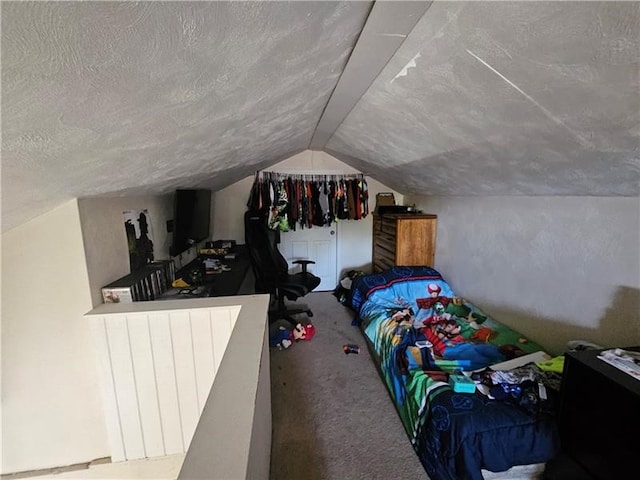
[221,284]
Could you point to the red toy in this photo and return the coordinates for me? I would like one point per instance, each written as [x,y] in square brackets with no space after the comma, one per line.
[283,337]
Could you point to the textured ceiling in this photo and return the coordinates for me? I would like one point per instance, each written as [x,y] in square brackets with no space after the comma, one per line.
[502,98]
[119,97]
[473,98]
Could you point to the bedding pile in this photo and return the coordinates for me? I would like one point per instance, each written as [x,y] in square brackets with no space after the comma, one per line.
[423,335]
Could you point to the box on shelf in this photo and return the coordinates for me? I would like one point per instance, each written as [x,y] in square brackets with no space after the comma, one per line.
[147,283]
[384,199]
[117,294]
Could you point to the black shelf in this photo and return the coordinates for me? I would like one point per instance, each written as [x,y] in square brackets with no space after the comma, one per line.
[147,283]
[599,416]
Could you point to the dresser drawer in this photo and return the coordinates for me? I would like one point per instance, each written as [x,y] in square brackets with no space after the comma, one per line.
[403,239]
[387,243]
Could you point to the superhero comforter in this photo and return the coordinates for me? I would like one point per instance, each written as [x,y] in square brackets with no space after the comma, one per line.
[422,333]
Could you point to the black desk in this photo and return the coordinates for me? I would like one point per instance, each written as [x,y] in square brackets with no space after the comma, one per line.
[221,284]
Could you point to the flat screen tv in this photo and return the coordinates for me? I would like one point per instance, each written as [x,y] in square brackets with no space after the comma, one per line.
[191,218]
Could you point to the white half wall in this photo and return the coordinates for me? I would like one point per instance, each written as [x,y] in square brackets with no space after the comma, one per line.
[51,407]
[157,363]
[233,437]
[554,268]
[354,236]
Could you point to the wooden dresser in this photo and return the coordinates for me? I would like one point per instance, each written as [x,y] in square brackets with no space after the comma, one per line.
[403,239]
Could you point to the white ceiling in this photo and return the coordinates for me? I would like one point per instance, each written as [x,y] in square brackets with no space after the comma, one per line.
[460,98]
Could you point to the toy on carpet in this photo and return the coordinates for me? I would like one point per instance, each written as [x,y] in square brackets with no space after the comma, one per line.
[350,348]
[283,337]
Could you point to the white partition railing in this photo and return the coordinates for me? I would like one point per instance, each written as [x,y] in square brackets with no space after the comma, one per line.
[157,363]
[233,437]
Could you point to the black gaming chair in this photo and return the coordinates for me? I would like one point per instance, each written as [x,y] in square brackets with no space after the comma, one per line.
[271,270]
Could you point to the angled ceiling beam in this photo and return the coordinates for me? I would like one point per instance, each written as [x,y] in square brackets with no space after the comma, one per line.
[386,28]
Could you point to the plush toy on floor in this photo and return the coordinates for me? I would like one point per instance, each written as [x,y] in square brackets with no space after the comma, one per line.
[283,337]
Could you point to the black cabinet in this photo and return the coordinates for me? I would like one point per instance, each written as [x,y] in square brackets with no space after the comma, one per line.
[599,417]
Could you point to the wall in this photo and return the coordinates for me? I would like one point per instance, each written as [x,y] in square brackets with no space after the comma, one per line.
[51,410]
[53,268]
[555,268]
[105,240]
[354,237]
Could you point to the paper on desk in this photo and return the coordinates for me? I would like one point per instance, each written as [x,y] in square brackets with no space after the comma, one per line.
[625,360]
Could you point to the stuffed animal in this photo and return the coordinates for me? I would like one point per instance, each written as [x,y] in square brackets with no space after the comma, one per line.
[283,337]
[483,334]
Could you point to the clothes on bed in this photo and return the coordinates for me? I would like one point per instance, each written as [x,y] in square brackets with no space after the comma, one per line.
[527,387]
[474,355]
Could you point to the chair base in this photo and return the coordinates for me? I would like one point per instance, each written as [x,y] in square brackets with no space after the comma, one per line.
[287,312]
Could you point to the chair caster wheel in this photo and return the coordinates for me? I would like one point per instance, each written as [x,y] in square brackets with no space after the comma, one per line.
[309,313]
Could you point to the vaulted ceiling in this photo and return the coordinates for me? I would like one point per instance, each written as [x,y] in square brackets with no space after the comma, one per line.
[433,98]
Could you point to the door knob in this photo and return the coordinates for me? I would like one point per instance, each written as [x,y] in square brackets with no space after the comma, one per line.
[332,232]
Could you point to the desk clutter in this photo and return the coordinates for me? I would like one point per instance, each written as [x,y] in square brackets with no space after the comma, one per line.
[218,252]
[220,249]
[200,270]
[213,265]
[219,270]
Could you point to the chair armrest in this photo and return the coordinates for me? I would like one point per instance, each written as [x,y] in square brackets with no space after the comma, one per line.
[304,264]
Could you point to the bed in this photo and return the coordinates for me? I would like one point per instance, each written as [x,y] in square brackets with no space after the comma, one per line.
[422,336]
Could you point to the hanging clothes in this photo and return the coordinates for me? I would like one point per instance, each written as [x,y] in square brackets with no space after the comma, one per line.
[332,199]
[324,203]
[342,207]
[305,201]
[278,219]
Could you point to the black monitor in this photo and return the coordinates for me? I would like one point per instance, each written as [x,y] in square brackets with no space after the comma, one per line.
[191,218]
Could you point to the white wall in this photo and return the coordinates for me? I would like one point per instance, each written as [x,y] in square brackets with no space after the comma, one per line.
[555,268]
[53,268]
[51,410]
[354,236]
[229,205]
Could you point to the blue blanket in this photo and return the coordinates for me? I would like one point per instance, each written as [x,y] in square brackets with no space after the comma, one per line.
[422,332]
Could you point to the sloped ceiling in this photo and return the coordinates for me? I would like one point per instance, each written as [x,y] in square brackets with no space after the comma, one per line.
[495,98]
[463,98]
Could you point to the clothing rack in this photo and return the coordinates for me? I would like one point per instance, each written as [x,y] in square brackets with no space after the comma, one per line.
[288,200]
[309,177]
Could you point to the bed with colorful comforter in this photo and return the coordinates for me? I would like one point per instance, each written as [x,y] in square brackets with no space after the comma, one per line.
[421,333]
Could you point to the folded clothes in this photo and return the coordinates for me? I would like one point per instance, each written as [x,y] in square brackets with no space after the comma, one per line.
[556,364]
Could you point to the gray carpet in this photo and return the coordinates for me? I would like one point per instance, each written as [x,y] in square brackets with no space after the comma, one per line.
[332,415]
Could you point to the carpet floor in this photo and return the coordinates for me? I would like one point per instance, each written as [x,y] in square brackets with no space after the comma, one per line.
[332,415]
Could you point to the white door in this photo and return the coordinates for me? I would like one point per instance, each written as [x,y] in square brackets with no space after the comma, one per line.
[318,244]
